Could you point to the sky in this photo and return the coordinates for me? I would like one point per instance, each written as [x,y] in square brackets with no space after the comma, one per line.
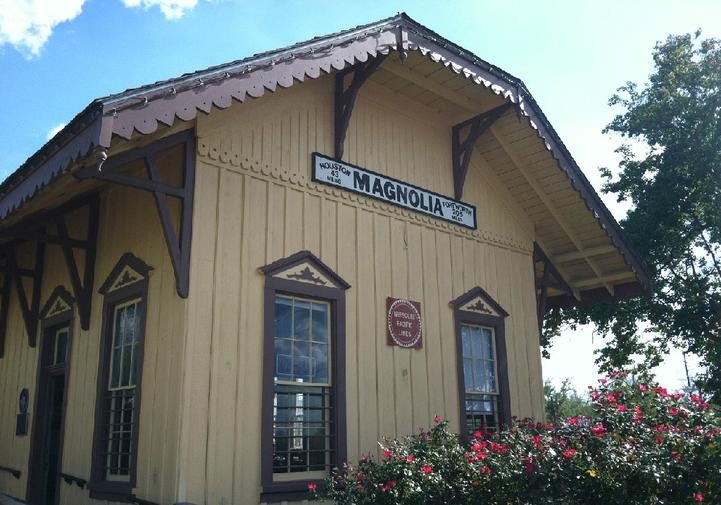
[57,55]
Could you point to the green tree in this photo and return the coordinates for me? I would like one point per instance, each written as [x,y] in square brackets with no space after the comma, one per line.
[675,218]
[564,402]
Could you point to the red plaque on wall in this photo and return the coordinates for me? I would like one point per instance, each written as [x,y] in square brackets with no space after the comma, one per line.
[405,328]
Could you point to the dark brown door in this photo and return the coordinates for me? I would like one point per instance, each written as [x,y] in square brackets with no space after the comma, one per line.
[47,442]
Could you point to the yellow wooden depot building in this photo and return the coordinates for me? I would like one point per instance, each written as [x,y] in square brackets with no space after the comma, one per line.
[218,287]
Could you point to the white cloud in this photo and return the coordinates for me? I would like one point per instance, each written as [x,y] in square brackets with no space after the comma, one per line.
[54,130]
[171,9]
[28,24]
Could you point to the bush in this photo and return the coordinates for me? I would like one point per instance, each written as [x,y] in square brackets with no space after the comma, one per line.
[643,446]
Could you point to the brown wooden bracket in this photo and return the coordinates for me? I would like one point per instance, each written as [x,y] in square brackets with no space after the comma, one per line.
[178,244]
[462,150]
[29,306]
[345,96]
[82,290]
[12,471]
[550,278]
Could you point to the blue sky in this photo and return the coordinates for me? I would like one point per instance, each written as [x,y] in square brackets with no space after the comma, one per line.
[57,55]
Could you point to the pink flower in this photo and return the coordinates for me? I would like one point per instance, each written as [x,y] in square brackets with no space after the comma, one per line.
[427,469]
[387,454]
[312,486]
[410,459]
[573,420]
[659,440]
[621,407]
[643,388]
[698,496]
[611,398]
[437,419]
[598,430]
[602,381]
[673,411]
[485,470]
[569,453]
[388,485]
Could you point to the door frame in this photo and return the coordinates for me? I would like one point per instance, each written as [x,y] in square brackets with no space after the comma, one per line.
[50,322]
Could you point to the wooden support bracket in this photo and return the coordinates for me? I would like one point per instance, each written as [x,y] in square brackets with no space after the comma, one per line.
[29,306]
[178,244]
[345,96]
[550,278]
[462,150]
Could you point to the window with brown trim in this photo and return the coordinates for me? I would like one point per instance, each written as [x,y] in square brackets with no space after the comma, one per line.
[304,423]
[483,391]
[117,406]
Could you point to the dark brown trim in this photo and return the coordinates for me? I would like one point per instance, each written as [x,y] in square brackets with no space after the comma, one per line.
[335,296]
[12,471]
[498,324]
[596,295]
[29,309]
[45,369]
[178,245]
[462,150]
[345,96]
[59,293]
[551,277]
[99,487]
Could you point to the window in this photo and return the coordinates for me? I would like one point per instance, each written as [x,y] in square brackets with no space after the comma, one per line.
[303,433]
[482,363]
[115,441]
[480,378]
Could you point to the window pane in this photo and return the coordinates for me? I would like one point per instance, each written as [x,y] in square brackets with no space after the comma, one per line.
[476,341]
[115,371]
[319,363]
[468,373]
[301,361]
[301,319]
[320,322]
[61,344]
[283,317]
[490,377]
[478,375]
[487,343]
[466,339]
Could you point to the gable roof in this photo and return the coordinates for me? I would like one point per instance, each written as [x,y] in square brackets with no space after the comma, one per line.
[141,111]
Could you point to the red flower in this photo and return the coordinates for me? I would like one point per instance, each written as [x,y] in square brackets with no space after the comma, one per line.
[611,398]
[437,419]
[621,407]
[659,440]
[485,470]
[599,430]
[387,454]
[673,411]
[698,496]
[410,459]
[643,388]
[602,381]
[569,453]
[573,420]
[312,486]
[427,469]
[388,485]
[637,415]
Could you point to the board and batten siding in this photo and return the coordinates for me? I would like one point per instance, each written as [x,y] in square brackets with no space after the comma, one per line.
[128,223]
[255,203]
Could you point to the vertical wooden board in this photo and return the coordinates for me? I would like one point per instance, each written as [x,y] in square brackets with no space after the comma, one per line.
[293,221]
[366,316]
[276,223]
[432,331]
[526,285]
[221,415]
[328,233]
[447,325]
[419,371]
[348,269]
[384,353]
[196,363]
[401,358]
[311,223]
[248,399]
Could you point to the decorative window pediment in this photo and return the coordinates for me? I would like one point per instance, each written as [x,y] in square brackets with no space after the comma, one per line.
[305,267]
[479,302]
[129,270]
[61,302]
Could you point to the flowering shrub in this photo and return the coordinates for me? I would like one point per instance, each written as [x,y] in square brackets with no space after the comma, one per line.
[643,446]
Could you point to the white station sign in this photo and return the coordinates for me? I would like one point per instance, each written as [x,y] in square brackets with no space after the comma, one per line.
[365,182]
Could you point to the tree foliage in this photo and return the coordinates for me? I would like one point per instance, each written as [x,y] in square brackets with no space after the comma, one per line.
[564,402]
[674,223]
